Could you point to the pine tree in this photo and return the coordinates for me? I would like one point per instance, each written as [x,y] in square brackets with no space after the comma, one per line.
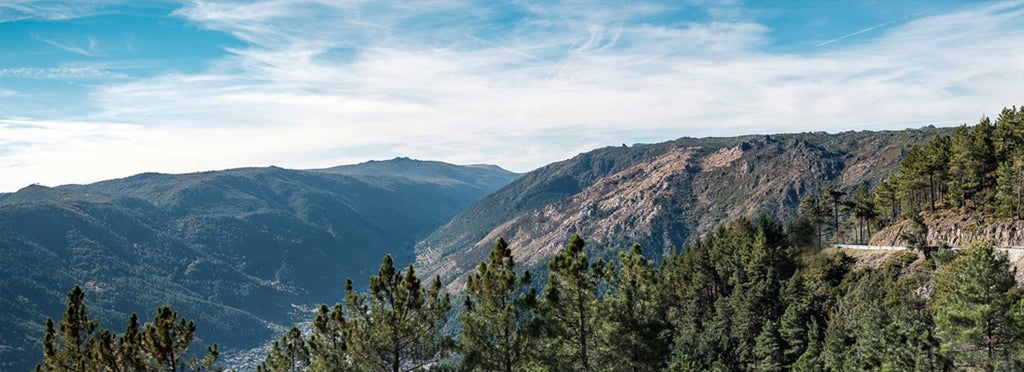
[983,150]
[289,354]
[975,314]
[498,320]
[634,331]
[80,345]
[909,336]
[886,201]
[328,348]
[862,205]
[696,285]
[570,298]
[1008,134]
[835,345]
[1010,186]
[936,167]
[810,360]
[963,180]
[813,211]
[166,341]
[129,348]
[793,326]
[885,321]
[916,234]
[972,165]
[835,198]
[912,178]
[396,326]
[67,349]
[102,354]
[768,348]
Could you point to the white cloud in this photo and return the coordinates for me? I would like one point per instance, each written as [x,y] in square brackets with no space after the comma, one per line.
[13,10]
[329,82]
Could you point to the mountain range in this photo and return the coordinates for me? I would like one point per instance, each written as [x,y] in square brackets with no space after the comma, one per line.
[247,252]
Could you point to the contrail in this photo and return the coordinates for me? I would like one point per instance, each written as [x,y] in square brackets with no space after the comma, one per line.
[853,34]
[556,69]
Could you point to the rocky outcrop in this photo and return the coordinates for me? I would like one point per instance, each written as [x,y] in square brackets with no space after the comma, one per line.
[946,227]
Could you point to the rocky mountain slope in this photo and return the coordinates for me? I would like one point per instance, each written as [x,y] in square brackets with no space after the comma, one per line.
[660,195]
[240,251]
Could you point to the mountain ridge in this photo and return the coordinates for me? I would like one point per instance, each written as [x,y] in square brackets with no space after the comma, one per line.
[684,188]
[242,251]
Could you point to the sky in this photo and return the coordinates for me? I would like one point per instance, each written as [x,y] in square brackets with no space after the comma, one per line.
[100,89]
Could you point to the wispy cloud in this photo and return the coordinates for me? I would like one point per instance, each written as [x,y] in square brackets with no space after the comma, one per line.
[63,72]
[90,47]
[12,10]
[326,82]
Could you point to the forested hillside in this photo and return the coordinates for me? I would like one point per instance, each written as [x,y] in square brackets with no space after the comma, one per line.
[243,252]
[752,295]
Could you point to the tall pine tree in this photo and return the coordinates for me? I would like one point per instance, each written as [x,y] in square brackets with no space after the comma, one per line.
[634,330]
[498,326]
[396,326]
[166,341]
[976,312]
[569,308]
[328,348]
[65,347]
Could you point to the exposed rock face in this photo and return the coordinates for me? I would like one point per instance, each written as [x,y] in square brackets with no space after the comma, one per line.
[662,196]
[621,206]
[947,227]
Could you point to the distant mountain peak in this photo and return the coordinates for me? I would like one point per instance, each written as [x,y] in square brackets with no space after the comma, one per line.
[427,171]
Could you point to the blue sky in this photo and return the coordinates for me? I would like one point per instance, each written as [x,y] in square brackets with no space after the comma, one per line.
[97,89]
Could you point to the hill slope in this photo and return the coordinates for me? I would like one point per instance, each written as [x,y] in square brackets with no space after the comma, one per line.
[661,195]
[240,251]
